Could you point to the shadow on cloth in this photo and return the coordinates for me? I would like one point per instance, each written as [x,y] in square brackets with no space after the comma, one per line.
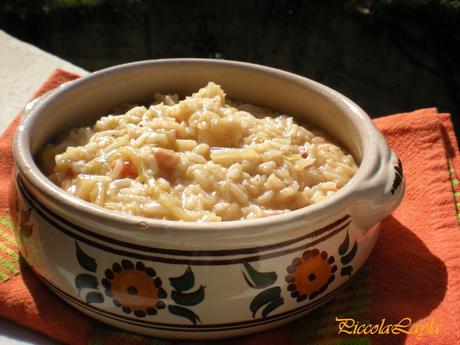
[408,281]
[53,316]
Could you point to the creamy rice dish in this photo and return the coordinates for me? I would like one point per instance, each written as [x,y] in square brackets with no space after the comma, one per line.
[203,158]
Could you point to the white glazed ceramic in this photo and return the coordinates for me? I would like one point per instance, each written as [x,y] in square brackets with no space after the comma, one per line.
[200,280]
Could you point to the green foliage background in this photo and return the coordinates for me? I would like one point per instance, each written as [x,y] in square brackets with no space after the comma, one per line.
[25,8]
[406,39]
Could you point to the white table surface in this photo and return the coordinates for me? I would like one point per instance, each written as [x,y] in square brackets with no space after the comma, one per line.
[23,68]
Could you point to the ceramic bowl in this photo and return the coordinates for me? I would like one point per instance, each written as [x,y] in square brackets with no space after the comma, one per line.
[200,280]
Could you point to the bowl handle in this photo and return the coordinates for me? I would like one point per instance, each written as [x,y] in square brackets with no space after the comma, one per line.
[383,189]
[35,102]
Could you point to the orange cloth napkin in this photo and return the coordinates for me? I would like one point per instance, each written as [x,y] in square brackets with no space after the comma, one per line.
[413,273]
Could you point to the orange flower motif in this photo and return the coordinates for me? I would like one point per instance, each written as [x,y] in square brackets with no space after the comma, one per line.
[13,201]
[27,223]
[310,275]
[134,288]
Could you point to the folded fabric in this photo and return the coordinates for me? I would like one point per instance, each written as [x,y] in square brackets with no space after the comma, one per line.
[412,277]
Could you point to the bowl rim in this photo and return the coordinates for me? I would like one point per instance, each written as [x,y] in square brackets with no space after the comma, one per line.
[336,203]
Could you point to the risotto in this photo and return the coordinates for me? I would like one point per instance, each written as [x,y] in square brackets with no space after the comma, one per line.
[203,158]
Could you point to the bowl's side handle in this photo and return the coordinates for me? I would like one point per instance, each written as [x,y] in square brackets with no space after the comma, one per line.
[34,103]
[383,189]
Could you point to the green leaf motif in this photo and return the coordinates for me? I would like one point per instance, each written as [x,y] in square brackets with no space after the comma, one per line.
[263,298]
[258,280]
[277,302]
[345,244]
[184,282]
[346,271]
[184,312]
[188,299]
[84,280]
[85,261]
[350,256]
[94,297]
